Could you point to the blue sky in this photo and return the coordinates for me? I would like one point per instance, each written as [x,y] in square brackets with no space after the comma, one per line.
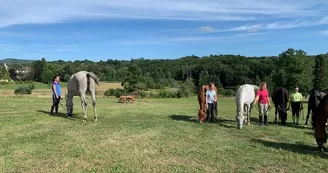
[125,29]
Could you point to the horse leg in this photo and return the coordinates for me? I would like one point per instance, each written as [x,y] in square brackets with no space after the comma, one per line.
[84,106]
[250,112]
[275,116]
[248,115]
[245,115]
[93,95]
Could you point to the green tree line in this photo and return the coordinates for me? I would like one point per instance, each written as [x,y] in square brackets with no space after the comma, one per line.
[289,69]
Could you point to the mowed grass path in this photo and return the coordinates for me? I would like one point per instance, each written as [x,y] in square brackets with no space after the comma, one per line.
[155,135]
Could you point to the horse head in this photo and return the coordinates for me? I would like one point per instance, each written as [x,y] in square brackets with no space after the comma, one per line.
[282,111]
[240,119]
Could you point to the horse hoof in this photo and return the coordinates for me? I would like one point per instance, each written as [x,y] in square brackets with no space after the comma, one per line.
[83,120]
[96,119]
[249,124]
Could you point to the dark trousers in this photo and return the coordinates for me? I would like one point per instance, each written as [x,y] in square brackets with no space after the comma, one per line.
[211,112]
[296,107]
[55,103]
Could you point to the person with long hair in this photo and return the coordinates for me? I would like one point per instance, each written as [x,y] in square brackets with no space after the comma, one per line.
[262,96]
[56,94]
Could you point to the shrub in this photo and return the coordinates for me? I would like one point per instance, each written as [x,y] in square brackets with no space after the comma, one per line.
[23,90]
[66,77]
[164,94]
[143,94]
[180,94]
[31,86]
[230,93]
[152,95]
[114,92]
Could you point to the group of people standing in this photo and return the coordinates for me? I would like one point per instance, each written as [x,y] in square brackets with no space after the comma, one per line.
[262,99]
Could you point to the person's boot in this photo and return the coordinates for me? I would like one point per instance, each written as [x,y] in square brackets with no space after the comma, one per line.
[52,110]
[266,120]
[260,120]
[297,119]
[294,119]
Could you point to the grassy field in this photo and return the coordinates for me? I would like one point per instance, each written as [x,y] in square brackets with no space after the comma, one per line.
[155,135]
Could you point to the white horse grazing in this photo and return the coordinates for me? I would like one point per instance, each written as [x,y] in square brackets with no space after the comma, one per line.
[245,97]
[80,83]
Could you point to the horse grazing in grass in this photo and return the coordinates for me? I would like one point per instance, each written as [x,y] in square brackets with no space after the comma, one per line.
[280,99]
[245,97]
[80,83]
[315,97]
[202,112]
[319,124]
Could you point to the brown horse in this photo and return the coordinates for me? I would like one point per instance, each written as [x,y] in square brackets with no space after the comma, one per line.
[320,120]
[202,112]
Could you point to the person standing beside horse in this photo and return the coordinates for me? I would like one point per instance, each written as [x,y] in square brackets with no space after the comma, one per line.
[211,99]
[262,96]
[56,94]
[295,102]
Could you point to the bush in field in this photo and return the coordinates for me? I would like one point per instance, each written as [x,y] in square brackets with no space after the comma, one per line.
[23,90]
[109,92]
[152,95]
[230,93]
[164,94]
[31,86]
[143,94]
[114,92]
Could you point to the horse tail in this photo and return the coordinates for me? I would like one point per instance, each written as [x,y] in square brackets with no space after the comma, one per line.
[93,76]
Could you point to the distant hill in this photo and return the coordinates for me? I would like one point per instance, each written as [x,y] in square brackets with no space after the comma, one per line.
[10,61]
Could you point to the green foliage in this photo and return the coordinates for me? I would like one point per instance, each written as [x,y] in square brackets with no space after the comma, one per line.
[133,79]
[320,72]
[31,86]
[66,77]
[4,74]
[23,90]
[114,92]
[143,94]
[48,76]
[229,93]
[290,68]
[294,69]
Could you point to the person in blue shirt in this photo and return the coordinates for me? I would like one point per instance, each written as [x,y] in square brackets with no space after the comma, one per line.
[56,94]
[211,100]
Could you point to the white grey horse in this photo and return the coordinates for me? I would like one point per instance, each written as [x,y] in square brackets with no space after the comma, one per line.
[245,97]
[80,83]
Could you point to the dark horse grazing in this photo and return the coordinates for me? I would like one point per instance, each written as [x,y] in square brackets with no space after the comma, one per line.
[280,99]
[202,112]
[320,119]
[315,97]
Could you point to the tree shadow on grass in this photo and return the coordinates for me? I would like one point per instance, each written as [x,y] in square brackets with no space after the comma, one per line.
[192,119]
[60,115]
[296,148]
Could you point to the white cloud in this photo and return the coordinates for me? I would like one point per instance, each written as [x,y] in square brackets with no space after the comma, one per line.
[179,39]
[325,33]
[282,25]
[206,29]
[249,28]
[15,12]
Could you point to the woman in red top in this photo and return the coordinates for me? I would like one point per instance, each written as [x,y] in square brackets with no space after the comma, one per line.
[262,96]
